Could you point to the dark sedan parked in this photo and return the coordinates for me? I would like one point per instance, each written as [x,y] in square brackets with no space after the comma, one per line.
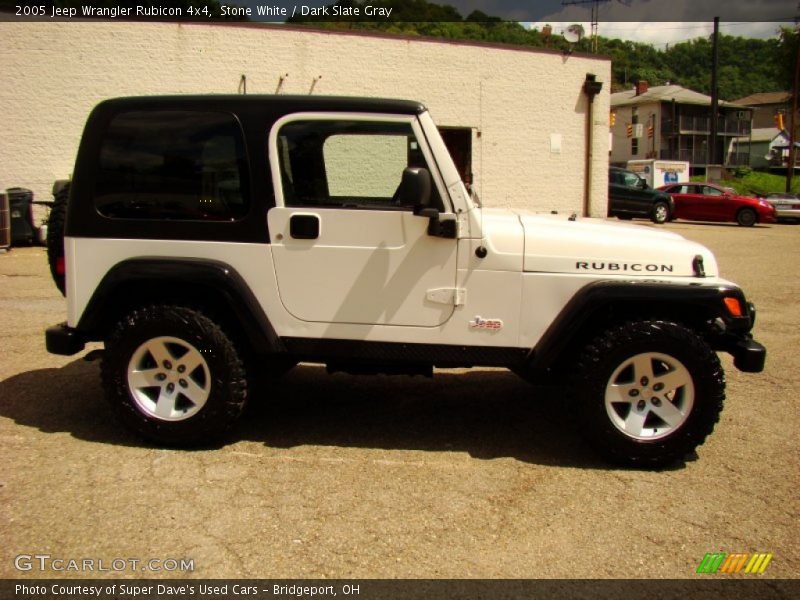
[710,202]
[629,196]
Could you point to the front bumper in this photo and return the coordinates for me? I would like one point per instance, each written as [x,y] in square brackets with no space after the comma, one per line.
[748,355]
[787,213]
[62,339]
[769,218]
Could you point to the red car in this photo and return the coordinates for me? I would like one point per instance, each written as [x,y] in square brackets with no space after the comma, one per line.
[710,202]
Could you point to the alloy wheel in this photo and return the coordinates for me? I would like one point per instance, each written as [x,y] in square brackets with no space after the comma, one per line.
[169,379]
[649,396]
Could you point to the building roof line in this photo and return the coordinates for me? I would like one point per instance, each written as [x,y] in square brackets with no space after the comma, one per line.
[667,93]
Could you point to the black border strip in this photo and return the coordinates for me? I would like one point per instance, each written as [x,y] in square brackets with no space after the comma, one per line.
[478,11]
[710,586]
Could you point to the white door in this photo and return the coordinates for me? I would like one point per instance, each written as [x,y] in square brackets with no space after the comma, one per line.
[343,250]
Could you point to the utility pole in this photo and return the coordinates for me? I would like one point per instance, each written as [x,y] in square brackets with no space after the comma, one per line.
[712,150]
[792,117]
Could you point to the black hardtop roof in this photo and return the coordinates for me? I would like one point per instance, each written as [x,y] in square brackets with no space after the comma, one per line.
[275,102]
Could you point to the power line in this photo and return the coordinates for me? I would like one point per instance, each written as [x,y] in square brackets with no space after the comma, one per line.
[687,27]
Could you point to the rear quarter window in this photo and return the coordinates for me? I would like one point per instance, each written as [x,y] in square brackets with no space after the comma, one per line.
[173,165]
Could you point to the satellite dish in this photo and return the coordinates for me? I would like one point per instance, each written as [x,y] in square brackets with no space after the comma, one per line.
[574,33]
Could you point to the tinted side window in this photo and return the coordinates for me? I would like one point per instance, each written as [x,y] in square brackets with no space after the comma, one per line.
[709,191]
[181,165]
[347,164]
[631,179]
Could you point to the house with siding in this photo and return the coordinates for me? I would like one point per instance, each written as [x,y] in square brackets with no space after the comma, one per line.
[757,145]
[670,122]
[767,106]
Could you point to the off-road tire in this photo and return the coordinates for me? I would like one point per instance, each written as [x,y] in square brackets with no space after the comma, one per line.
[660,214]
[746,217]
[55,236]
[220,378]
[659,344]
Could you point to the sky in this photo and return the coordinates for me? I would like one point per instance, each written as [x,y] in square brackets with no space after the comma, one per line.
[659,22]
[661,34]
[571,11]
[633,10]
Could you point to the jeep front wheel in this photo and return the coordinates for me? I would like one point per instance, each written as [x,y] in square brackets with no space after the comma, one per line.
[173,375]
[649,392]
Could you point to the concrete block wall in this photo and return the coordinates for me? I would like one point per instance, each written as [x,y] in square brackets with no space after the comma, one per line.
[516,101]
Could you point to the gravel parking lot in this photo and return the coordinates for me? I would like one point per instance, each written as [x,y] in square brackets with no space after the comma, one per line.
[463,475]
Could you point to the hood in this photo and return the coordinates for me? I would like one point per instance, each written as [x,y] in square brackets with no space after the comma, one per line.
[554,244]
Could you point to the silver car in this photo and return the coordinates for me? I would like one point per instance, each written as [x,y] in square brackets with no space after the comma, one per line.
[787,206]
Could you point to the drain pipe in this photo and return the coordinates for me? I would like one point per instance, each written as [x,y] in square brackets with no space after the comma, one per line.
[591,88]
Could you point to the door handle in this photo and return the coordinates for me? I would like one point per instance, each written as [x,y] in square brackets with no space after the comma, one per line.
[304,227]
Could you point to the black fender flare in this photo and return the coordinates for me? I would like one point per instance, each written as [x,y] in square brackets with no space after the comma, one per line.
[700,302]
[217,279]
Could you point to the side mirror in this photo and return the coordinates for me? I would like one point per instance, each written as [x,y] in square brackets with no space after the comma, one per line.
[415,189]
[643,184]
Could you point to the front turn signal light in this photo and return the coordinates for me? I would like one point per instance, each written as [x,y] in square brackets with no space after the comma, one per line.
[734,306]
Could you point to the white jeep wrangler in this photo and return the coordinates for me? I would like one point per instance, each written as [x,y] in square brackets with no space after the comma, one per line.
[209,239]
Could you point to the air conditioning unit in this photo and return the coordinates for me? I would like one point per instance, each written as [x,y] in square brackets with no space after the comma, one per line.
[20,202]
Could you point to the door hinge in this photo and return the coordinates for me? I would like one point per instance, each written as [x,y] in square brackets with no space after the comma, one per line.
[454,296]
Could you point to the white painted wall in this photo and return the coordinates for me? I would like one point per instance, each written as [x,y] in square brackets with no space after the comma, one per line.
[52,74]
[621,145]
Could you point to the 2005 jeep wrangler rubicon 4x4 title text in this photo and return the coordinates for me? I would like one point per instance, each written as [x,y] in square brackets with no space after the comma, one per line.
[208,239]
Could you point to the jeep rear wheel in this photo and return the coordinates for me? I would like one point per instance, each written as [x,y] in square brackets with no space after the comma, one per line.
[649,392]
[173,375]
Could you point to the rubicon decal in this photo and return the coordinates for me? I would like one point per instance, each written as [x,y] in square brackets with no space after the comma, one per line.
[488,324]
[624,267]
[743,562]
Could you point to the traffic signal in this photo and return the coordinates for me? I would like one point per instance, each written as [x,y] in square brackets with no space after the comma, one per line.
[612,118]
